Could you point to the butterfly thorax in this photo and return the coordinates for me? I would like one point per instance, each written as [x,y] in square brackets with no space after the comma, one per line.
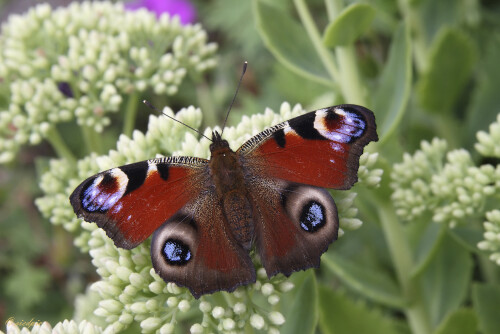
[227,176]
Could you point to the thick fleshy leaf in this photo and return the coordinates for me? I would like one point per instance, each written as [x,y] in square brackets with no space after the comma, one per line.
[303,314]
[446,279]
[486,299]
[428,246]
[485,102]
[436,14]
[341,315]
[452,59]
[394,88]
[349,25]
[468,236]
[462,321]
[288,41]
[370,283]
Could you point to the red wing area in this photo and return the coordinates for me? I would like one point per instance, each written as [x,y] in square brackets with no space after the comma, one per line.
[286,237]
[132,201]
[320,148]
[195,249]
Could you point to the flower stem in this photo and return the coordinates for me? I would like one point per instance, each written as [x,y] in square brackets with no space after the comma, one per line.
[59,146]
[352,87]
[312,31]
[347,72]
[90,138]
[402,258]
[418,33]
[130,114]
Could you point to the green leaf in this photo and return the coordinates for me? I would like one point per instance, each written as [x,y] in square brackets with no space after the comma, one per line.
[485,102]
[486,300]
[392,96]
[288,42]
[339,315]
[437,14]
[446,279]
[303,315]
[351,23]
[371,284]
[430,242]
[452,59]
[462,321]
[468,236]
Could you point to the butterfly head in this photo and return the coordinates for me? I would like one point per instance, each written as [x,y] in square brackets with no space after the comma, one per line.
[218,143]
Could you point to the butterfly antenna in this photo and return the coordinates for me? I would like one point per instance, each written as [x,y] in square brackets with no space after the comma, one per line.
[234,97]
[146,102]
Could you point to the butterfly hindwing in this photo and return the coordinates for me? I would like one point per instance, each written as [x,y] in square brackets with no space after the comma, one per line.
[320,148]
[196,249]
[294,224]
[130,202]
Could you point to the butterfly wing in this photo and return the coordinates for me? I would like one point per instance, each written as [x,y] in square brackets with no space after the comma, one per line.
[196,249]
[294,224]
[295,220]
[320,148]
[130,202]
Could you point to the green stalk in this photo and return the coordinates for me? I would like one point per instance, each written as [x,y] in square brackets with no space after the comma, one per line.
[347,74]
[312,31]
[130,114]
[59,146]
[402,258]
[350,78]
[418,34]
[90,138]
[333,8]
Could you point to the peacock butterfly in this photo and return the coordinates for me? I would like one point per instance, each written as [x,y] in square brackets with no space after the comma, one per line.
[206,215]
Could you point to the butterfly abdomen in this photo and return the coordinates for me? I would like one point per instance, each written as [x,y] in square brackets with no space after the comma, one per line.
[238,212]
[229,181]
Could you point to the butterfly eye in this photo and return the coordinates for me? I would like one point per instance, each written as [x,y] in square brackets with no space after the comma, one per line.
[173,246]
[312,208]
[176,252]
[312,217]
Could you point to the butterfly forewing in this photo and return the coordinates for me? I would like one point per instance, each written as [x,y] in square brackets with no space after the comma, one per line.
[130,202]
[320,148]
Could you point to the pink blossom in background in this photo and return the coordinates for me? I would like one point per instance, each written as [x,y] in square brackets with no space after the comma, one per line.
[183,8]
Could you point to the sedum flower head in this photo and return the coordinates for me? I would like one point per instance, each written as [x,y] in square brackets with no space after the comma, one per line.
[64,327]
[77,63]
[448,186]
[129,290]
[489,142]
[491,242]
[412,178]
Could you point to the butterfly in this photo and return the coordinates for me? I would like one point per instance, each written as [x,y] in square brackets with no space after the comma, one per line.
[207,215]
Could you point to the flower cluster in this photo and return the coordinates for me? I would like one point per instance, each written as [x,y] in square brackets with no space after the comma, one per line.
[491,242]
[130,290]
[66,326]
[77,63]
[489,142]
[447,185]
[412,179]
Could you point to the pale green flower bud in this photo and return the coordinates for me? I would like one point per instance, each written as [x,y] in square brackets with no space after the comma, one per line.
[257,322]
